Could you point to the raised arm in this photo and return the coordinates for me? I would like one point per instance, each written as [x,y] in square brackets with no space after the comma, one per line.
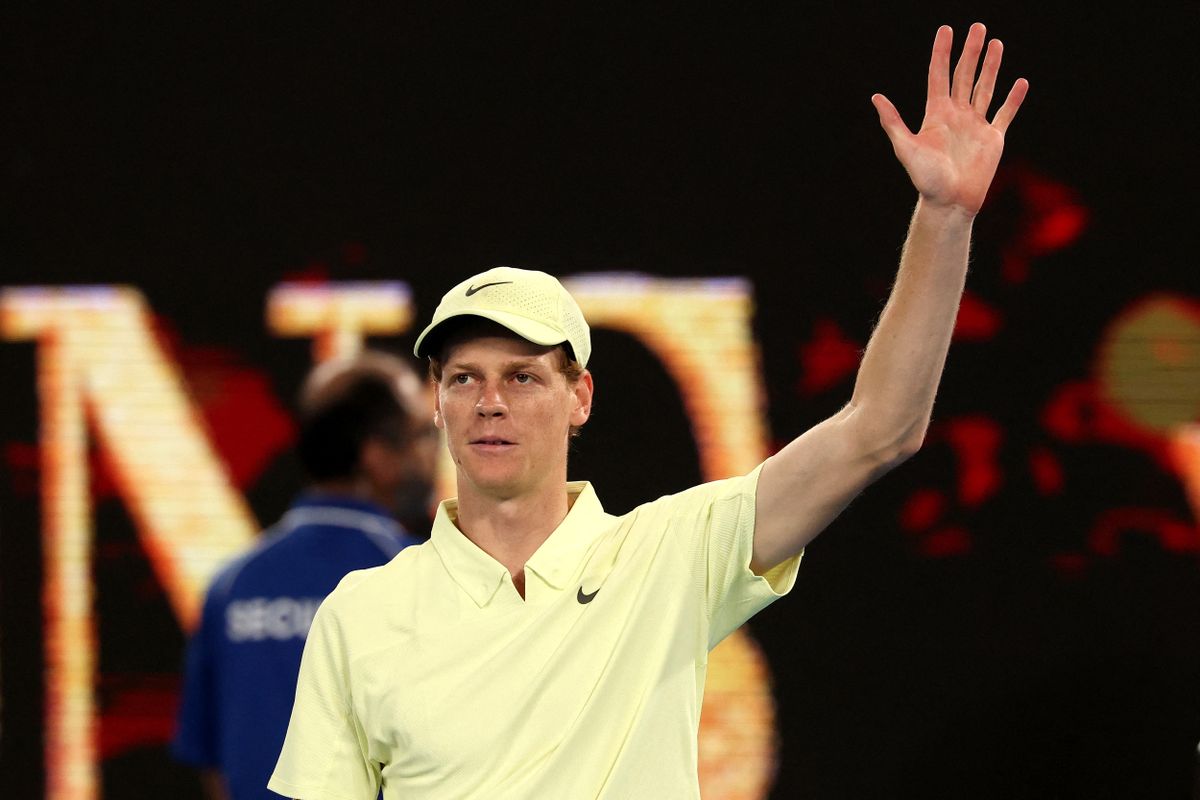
[951,162]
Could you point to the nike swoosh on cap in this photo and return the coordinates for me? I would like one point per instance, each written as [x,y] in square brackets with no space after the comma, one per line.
[473,289]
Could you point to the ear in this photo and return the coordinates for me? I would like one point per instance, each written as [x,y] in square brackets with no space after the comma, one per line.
[437,411]
[583,399]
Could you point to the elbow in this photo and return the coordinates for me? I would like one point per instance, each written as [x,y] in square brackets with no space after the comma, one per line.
[907,449]
[887,441]
[889,457]
[890,448]
[910,440]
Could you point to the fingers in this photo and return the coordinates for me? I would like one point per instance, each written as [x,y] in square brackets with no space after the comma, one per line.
[939,63]
[964,72]
[964,88]
[982,97]
[1016,96]
[890,119]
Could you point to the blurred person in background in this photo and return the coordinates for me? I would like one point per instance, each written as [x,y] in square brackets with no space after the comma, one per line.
[368,447]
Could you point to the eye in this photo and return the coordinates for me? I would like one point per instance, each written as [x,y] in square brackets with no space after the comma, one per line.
[523,378]
[461,379]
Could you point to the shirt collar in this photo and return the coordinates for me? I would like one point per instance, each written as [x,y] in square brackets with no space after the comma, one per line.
[475,571]
[555,561]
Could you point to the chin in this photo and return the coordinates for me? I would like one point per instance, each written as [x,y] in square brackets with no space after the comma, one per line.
[495,482]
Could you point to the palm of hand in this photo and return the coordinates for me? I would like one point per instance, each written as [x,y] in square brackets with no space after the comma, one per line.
[953,157]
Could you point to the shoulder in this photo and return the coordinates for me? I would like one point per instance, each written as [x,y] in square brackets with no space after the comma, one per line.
[696,499]
[385,584]
[372,608]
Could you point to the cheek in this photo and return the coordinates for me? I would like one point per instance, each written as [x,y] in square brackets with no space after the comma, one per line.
[445,405]
[447,420]
[451,409]
[553,419]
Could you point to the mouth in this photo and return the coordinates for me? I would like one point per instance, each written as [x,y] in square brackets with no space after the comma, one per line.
[490,442]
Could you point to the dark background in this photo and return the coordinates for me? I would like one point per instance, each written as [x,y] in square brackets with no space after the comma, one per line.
[986,649]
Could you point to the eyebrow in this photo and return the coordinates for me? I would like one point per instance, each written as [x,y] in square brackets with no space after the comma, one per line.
[517,365]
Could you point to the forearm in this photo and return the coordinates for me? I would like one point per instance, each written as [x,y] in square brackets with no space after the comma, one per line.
[898,378]
[951,161]
[886,418]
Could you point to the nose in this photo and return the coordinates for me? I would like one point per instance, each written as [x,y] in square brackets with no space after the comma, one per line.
[491,402]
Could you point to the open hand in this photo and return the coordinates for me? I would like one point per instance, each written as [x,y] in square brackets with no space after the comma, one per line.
[953,158]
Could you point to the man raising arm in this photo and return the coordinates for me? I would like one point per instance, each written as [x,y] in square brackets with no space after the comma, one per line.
[537,646]
[951,161]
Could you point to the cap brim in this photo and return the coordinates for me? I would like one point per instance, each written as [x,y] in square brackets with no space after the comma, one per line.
[524,327]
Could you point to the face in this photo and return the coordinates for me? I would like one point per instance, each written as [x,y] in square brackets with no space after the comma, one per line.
[507,410]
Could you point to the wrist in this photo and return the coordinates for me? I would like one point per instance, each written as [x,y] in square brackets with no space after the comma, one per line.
[943,215]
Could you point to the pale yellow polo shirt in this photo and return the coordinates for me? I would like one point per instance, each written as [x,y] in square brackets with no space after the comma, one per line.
[431,677]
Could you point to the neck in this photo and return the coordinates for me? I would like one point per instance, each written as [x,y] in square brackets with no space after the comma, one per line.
[511,530]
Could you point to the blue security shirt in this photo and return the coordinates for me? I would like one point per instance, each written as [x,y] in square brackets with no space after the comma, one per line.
[243,659]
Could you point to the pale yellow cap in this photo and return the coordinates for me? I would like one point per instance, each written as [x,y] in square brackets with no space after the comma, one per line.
[531,304]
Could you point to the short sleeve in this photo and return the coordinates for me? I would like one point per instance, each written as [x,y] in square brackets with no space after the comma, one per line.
[325,752]
[734,593]
[196,739]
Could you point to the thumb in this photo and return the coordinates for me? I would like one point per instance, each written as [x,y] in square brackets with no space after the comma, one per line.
[889,118]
